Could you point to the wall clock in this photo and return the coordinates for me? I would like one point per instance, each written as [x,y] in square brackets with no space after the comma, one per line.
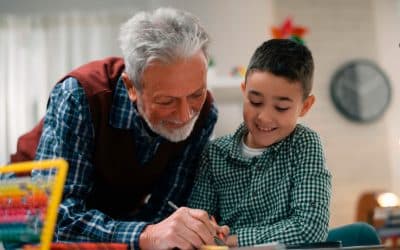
[360,90]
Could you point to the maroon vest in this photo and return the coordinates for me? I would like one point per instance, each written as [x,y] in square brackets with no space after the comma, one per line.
[120,182]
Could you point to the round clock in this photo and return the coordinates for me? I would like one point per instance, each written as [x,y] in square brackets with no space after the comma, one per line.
[360,90]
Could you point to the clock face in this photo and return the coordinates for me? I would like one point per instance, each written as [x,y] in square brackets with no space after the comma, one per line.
[360,91]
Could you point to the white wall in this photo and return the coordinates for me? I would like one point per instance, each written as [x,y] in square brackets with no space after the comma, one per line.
[387,20]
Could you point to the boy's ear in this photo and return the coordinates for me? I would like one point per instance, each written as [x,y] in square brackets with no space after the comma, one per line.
[243,87]
[132,92]
[307,104]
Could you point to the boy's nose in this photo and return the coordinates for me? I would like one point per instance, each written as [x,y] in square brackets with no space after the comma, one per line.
[265,116]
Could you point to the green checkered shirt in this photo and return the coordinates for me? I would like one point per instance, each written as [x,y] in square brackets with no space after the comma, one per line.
[281,196]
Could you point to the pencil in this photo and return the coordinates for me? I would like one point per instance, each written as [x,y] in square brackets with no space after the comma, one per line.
[217,240]
[171,204]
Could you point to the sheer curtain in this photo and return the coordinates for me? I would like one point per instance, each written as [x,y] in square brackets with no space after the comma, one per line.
[35,52]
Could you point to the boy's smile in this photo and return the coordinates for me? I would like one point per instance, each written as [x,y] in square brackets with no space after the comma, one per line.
[271,107]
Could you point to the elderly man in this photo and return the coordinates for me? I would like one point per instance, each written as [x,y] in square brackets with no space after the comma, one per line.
[132,131]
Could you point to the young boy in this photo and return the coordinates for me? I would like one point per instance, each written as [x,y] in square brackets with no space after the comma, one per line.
[268,181]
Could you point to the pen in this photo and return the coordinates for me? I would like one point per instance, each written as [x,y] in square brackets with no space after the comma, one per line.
[217,240]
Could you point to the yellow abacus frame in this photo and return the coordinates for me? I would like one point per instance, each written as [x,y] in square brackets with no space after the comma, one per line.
[55,197]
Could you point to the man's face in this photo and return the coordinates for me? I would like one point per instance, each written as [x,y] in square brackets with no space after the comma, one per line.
[172,96]
[271,108]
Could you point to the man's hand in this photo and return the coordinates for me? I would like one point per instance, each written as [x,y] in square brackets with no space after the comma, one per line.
[185,229]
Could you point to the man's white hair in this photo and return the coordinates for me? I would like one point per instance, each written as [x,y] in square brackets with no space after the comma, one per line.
[165,35]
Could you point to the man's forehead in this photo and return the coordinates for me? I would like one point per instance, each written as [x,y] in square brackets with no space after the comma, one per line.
[178,79]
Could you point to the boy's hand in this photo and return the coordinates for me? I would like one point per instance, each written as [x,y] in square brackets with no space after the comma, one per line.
[222,232]
[232,241]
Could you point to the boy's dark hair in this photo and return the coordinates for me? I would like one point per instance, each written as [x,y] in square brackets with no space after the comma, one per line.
[284,58]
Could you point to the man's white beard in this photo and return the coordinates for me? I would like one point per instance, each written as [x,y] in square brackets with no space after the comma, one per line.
[175,135]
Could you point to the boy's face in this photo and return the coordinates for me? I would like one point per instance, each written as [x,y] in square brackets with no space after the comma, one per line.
[271,108]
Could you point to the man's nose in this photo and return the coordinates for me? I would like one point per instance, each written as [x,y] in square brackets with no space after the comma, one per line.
[184,111]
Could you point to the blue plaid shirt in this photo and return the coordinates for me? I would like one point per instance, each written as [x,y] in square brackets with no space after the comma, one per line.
[68,133]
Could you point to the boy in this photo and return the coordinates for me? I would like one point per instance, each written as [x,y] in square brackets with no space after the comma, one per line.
[268,181]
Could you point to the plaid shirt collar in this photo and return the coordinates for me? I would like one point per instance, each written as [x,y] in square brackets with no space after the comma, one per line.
[235,150]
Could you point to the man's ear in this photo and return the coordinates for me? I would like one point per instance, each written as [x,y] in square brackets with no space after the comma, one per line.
[132,92]
[307,104]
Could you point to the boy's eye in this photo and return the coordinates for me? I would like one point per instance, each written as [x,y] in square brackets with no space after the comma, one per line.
[280,109]
[256,104]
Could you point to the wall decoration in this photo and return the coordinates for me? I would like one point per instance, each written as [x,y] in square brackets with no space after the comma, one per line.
[288,30]
[360,90]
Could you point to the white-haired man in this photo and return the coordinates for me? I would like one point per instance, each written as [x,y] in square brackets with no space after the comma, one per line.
[132,130]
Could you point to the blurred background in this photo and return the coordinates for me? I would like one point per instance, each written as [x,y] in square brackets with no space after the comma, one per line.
[41,40]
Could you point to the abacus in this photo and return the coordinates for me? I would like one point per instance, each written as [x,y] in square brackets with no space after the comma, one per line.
[29,205]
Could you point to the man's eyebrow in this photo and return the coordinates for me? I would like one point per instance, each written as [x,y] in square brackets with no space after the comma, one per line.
[199,90]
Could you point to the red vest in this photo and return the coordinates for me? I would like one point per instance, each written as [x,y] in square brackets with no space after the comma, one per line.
[120,182]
